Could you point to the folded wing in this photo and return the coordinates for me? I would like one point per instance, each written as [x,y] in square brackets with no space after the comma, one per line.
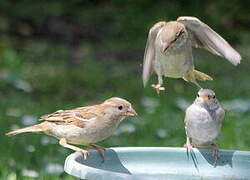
[78,116]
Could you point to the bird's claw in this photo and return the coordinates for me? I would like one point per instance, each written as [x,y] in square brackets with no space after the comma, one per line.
[85,154]
[158,88]
[188,146]
[215,153]
[100,149]
[101,152]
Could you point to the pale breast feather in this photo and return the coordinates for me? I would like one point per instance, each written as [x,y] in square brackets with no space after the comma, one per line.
[196,113]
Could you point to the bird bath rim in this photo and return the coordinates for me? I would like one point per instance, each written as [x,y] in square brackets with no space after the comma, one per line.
[137,163]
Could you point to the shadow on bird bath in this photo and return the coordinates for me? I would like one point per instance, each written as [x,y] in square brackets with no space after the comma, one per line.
[225,157]
[191,155]
[110,163]
[198,156]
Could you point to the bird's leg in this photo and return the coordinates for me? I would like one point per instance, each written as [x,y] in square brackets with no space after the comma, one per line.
[63,142]
[190,77]
[100,149]
[158,87]
[188,144]
[215,153]
[196,83]
[189,147]
[158,71]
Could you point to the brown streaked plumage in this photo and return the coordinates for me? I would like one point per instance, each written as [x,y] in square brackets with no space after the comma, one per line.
[83,125]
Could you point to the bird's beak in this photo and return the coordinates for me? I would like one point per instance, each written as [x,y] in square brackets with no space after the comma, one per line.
[206,98]
[131,112]
[164,47]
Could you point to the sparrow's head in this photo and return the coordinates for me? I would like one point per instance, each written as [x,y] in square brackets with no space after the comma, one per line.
[172,36]
[206,98]
[206,94]
[119,107]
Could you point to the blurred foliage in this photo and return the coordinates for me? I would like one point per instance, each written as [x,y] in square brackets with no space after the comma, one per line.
[63,54]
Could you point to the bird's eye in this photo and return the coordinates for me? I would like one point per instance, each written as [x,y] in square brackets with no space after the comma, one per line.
[120,107]
[214,96]
[198,95]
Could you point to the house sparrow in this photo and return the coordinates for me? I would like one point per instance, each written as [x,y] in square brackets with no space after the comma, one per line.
[169,47]
[83,125]
[203,121]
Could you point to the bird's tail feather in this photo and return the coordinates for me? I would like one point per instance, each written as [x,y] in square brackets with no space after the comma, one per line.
[35,128]
[202,76]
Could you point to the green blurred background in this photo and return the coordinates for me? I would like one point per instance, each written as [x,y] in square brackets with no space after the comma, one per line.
[62,54]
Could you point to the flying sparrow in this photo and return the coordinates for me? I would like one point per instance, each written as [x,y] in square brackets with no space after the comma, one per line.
[203,121]
[83,125]
[169,47]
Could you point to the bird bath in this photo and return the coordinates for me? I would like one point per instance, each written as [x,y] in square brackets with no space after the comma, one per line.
[159,163]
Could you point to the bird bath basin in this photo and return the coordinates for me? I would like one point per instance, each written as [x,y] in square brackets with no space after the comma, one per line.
[159,163]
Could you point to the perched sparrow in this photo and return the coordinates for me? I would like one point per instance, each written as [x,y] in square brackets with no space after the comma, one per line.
[169,50]
[203,121]
[83,125]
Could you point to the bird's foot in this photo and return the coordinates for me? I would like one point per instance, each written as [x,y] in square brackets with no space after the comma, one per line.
[158,88]
[85,153]
[215,153]
[189,147]
[100,149]
[63,142]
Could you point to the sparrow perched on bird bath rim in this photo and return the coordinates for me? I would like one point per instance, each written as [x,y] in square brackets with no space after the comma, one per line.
[203,121]
[83,125]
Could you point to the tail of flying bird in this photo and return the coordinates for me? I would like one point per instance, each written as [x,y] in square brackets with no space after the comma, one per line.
[194,74]
[202,76]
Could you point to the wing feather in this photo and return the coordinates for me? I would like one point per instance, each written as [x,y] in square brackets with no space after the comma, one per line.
[203,36]
[78,116]
[149,54]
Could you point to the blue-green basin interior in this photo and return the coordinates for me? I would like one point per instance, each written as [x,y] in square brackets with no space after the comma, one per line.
[160,163]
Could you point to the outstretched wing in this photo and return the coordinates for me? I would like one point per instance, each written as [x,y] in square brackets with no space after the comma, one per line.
[203,36]
[78,116]
[149,54]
